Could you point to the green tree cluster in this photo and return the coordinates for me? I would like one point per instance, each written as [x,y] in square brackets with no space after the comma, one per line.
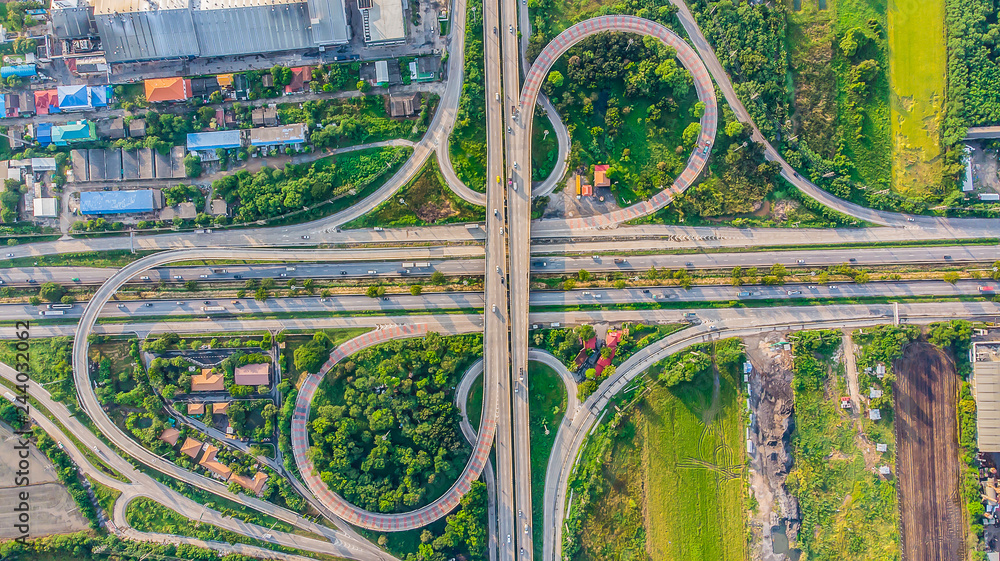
[386,429]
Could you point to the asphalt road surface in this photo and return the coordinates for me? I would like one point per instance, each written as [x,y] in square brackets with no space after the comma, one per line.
[474,265]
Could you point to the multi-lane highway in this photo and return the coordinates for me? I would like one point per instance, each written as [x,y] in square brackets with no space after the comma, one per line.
[468,261]
[139,311]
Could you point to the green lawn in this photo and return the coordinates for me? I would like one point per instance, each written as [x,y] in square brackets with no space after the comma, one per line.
[670,485]
[425,201]
[467,146]
[544,147]
[475,403]
[293,341]
[546,408]
[872,152]
[918,67]
[106,496]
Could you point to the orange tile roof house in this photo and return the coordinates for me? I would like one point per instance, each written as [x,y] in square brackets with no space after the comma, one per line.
[255,485]
[253,374]
[167,89]
[210,451]
[207,381]
[217,468]
[191,447]
[170,436]
[601,176]
[220,408]
[196,408]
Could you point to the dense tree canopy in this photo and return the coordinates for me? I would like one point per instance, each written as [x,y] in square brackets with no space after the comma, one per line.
[385,429]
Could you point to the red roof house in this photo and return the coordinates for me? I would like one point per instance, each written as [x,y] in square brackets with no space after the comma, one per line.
[602,363]
[301,76]
[46,101]
[590,344]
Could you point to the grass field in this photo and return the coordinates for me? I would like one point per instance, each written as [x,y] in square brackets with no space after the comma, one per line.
[467,145]
[674,475]
[847,511]
[425,201]
[547,406]
[475,403]
[544,147]
[918,66]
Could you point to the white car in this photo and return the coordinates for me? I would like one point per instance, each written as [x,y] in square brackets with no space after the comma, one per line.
[511,28]
[494,308]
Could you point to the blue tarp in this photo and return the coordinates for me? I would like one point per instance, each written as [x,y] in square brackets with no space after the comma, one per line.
[213,140]
[74,97]
[43,133]
[116,202]
[21,70]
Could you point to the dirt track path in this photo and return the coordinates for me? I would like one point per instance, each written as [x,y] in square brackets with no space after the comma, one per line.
[927,459]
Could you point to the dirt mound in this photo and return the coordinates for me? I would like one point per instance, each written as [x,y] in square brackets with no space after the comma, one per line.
[432,212]
[927,462]
[772,402]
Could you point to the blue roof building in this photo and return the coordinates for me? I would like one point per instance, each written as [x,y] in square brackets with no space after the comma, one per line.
[120,202]
[43,133]
[74,98]
[20,70]
[73,132]
[99,95]
[213,140]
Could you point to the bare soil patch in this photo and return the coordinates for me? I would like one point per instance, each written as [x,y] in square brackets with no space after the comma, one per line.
[927,461]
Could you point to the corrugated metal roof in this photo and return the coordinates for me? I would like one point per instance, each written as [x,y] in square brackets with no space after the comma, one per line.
[329,22]
[213,140]
[71,23]
[148,35]
[117,202]
[269,136]
[986,378]
[260,29]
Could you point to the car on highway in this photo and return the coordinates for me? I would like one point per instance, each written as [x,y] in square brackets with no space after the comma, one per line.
[178,277]
[343,272]
[32,281]
[496,212]
[75,279]
[10,255]
[853,259]
[121,306]
[511,29]
[283,275]
[498,97]
[237,276]
[494,308]
[305,237]
[645,291]
[148,304]
[144,278]
[793,292]
[743,294]
[510,130]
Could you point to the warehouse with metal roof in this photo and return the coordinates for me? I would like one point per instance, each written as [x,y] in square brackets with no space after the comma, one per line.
[120,202]
[135,30]
[276,136]
[212,140]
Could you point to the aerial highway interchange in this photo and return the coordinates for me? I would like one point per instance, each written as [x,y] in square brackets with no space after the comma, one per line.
[507,251]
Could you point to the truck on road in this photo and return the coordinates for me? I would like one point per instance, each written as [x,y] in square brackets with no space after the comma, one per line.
[52,313]
[213,309]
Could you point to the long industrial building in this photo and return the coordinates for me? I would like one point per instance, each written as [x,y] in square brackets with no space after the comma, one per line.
[141,30]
